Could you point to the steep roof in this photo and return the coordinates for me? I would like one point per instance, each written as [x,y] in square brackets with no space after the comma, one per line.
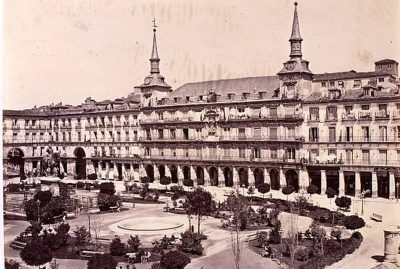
[348,75]
[267,84]
[386,61]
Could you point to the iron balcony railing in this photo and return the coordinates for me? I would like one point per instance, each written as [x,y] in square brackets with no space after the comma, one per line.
[349,139]
[337,161]
[219,158]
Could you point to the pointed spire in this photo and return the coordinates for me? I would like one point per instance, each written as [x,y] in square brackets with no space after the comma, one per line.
[295,26]
[154,60]
[295,38]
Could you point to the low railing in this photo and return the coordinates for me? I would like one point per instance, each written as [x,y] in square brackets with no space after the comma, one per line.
[337,161]
[348,116]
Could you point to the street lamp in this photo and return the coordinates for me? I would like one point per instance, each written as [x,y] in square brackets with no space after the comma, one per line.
[280,234]
[38,206]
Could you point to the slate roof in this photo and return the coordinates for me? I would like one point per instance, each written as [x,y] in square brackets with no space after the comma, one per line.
[355,94]
[349,75]
[386,61]
[237,86]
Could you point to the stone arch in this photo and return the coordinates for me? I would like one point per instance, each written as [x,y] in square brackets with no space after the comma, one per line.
[149,172]
[292,179]
[15,162]
[200,175]
[258,176]
[174,173]
[80,162]
[274,175]
[161,170]
[213,172]
[243,177]
[228,176]
[186,172]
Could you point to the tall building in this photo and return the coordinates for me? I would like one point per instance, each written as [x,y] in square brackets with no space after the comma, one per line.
[338,130]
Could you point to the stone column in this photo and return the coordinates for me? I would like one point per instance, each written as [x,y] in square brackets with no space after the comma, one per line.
[167,171]
[267,176]
[305,178]
[71,168]
[156,174]
[107,170]
[206,178]
[221,178]
[193,175]
[357,184]
[323,181]
[250,177]
[341,183]
[124,173]
[235,175]
[282,178]
[142,171]
[392,185]
[180,175]
[374,185]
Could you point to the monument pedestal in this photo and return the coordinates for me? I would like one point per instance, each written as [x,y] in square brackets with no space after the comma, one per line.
[392,242]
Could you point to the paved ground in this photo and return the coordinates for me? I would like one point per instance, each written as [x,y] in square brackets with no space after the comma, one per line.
[218,248]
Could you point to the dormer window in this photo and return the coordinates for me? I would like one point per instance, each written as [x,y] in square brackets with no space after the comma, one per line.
[201,97]
[331,84]
[246,95]
[340,84]
[187,98]
[176,99]
[334,94]
[323,84]
[390,66]
[381,79]
[357,83]
[230,96]
[261,95]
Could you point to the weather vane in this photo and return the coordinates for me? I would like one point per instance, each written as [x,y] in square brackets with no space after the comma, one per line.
[154,24]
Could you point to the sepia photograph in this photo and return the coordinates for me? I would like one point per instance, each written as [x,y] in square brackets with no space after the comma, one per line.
[200,134]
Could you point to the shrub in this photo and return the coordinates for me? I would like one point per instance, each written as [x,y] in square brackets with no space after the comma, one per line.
[80,185]
[156,195]
[312,189]
[133,243]
[156,266]
[343,202]
[144,180]
[61,176]
[191,243]
[82,236]
[336,233]
[13,187]
[117,248]
[107,188]
[63,190]
[36,254]
[92,176]
[44,197]
[102,261]
[23,177]
[165,181]
[11,264]
[178,190]
[62,233]
[353,222]
[188,182]
[263,188]
[330,192]
[105,201]
[262,238]
[302,254]
[174,260]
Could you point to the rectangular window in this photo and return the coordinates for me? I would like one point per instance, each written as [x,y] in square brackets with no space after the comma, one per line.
[398,132]
[364,107]
[256,152]
[348,109]
[213,152]
[273,133]
[257,133]
[365,132]
[186,134]
[314,134]
[172,133]
[349,134]
[242,153]
[323,84]
[146,151]
[332,152]
[227,152]
[274,154]
[199,153]
[365,156]
[383,133]
[148,135]
[331,84]
[383,157]
[331,113]
[291,153]
[291,133]
[332,134]
[381,79]
[273,112]
[341,84]
[242,133]
[186,152]
[160,116]
[357,84]
[314,113]
[160,134]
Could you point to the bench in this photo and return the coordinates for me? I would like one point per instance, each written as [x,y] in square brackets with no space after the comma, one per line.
[376,217]
[115,209]
[90,253]
[18,245]
[251,237]
[102,239]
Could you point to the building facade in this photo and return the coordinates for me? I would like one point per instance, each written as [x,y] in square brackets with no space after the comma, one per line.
[338,130]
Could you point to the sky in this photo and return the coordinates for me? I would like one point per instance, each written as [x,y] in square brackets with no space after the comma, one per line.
[67,50]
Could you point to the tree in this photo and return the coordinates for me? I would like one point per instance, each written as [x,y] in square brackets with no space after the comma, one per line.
[318,234]
[82,236]
[102,261]
[117,248]
[174,260]
[107,188]
[133,243]
[263,188]
[105,201]
[200,203]
[312,189]
[330,193]
[343,202]
[188,183]
[353,222]
[302,203]
[36,254]
[287,190]
[165,181]
[250,192]
[144,190]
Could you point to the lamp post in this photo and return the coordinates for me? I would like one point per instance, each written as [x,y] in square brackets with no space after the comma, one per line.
[280,257]
[363,193]
[38,207]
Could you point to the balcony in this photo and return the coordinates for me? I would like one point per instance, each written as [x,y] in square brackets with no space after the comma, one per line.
[220,158]
[313,118]
[381,115]
[396,114]
[364,115]
[348,116]
[15,127]
[114,155]
[353,139]
[331,117]
[65,126]
[260,138]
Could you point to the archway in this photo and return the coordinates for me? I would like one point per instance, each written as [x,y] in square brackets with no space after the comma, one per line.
[228,176]
[213,172]
[292,179]
[161,170]
[243,177]
[383,184]
[150,172]
[315,179]
[366,183]
[275,184]
[258,176]
[186,172]
[15,163]
[200,175]
[174,174]
[80,163]
[349,183]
